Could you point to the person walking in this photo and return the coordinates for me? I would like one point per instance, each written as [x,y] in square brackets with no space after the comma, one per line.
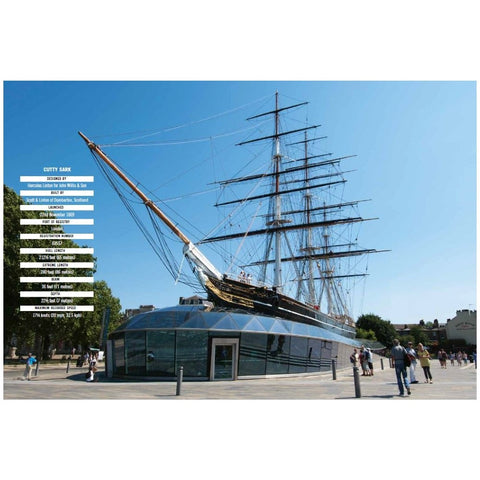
[354,357]
[424,357]
[398,356]
[444,358]
[413,361]
[452,359]
[29,366]
[370,360]
[364,362]
[459,358]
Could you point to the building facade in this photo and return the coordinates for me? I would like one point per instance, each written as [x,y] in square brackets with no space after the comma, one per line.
[463,327]
[435,333]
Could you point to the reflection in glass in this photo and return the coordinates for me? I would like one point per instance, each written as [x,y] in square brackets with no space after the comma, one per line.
[252,360]
[192,353]
[161,353]
[327,355]
[278,349]
[119,355]
[298,354]
[314,355]
[223,362]
[135,353]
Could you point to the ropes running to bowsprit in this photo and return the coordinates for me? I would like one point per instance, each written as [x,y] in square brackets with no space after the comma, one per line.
[158,244]
[181,126]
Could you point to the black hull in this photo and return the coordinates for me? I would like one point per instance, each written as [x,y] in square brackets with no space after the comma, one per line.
[266,301]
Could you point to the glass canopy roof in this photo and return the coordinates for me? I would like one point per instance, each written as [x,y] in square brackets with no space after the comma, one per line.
[196,317]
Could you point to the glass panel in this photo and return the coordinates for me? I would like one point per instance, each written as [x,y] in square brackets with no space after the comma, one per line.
[327,355]
[192,353]
[253,349]
[300,329]
[137,321]
[314,355]
[255,325]
[278,349]
[298,354]
[211,318]
[223,362]
[119,355]
[267,322]
[135,353]
[195,321]
[226,323]
[278,327]
[161,353]
[240,320]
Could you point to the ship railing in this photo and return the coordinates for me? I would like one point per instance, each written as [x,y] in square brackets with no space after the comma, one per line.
[246,279]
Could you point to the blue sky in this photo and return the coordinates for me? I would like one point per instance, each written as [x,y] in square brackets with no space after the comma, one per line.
[416,159]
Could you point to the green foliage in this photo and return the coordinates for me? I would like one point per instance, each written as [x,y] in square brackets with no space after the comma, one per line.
[454,345]
[366,334]
[383,329]
[87,330]
[14,321]
[418,336]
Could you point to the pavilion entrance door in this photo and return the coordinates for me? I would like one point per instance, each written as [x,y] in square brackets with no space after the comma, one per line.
[224,359]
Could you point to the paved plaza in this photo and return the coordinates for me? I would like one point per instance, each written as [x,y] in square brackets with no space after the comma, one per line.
[53,382]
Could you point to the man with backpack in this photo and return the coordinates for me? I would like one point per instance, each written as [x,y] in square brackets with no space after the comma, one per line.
[29,366]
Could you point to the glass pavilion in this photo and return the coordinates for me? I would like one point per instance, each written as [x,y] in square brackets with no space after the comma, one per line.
[220,345]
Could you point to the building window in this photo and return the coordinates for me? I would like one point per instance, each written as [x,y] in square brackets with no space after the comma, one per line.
[135,353]
[192,353]
[314,355]
[161,353]
[278,352]
[253,348]
[298,355]
[119,355]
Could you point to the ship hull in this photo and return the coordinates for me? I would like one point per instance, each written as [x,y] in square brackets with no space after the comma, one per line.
[267,301]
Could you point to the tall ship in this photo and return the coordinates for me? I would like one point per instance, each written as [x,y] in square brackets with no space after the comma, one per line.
[287,253]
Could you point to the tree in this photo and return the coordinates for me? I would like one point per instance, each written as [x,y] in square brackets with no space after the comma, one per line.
[366,334]
[16,325]
[419,336]
[383,329]
[86,331]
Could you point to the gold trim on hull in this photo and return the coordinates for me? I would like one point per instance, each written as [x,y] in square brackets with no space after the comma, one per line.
[228,297]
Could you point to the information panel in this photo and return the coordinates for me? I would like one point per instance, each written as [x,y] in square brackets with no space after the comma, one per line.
[56,280]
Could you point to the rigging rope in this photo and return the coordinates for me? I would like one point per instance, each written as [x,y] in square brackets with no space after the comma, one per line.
[234,258]
[188,124]
[178,142]
[161,249]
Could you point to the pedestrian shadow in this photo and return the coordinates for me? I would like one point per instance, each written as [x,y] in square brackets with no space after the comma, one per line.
[390,395]
[82,377]
[367,397]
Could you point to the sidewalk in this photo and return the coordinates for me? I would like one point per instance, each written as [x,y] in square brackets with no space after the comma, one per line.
[52,382]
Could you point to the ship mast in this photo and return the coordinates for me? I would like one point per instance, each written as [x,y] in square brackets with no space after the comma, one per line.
[200,264]
[275,225]
[278,206]
[308,199]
